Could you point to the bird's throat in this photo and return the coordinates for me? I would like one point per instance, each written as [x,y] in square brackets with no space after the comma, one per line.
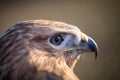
[52,65]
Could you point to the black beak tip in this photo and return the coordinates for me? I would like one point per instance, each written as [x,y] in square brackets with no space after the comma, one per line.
[93,46]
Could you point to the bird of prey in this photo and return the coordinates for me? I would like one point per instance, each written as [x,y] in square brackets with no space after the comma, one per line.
[42,50]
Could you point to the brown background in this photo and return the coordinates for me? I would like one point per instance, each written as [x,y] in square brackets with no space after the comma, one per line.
[99,19]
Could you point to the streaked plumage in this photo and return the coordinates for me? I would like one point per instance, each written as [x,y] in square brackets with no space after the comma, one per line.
[42,50]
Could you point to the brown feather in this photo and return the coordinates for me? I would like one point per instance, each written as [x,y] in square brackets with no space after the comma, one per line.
[26,55]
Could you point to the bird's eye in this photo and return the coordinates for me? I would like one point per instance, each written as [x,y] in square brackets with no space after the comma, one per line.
[56,39]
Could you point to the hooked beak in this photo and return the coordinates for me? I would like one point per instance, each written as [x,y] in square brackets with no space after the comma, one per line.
[88,44]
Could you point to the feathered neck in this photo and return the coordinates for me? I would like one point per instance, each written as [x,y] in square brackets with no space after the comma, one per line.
[47,65]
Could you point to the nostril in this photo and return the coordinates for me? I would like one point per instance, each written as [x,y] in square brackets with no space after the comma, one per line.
[84,38]
[83,41]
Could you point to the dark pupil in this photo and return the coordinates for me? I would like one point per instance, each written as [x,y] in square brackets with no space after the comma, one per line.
[56,40]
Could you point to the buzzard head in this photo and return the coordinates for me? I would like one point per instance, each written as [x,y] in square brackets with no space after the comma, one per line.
[42,50]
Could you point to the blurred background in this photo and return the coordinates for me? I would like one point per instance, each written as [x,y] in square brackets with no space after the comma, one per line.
[100,19]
